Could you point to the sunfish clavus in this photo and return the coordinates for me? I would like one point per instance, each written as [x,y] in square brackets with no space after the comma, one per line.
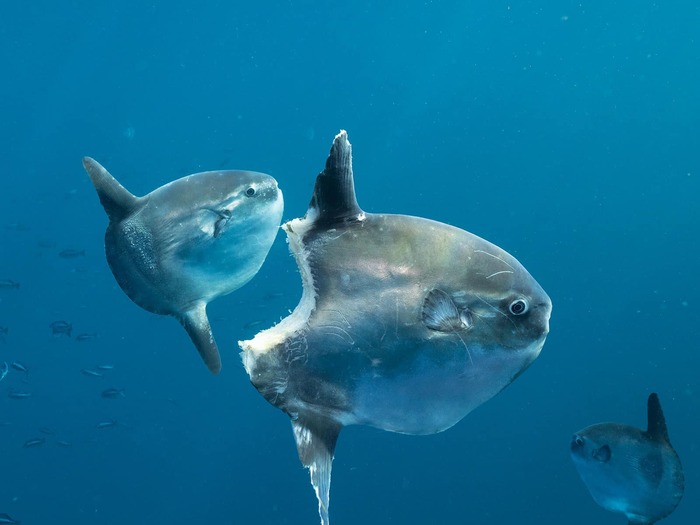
[629,470]
[404,324]
[188,242]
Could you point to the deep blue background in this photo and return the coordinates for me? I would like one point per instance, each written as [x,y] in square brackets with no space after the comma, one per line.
[566,132]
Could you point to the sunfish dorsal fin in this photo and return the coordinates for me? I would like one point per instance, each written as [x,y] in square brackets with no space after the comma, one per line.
[196,324]
[316,439]
[117,201]
[656,424]
[334,193]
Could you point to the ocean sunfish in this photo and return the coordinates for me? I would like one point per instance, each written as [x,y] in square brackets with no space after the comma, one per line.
[405,324]
[188,242]
[630,470]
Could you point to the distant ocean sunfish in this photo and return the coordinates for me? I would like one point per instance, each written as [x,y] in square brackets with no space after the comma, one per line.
[629,470]
[189,242]
[405,324]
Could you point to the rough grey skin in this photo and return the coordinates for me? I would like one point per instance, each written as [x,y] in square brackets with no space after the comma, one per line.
[189,242]
[405,324]
[629,470]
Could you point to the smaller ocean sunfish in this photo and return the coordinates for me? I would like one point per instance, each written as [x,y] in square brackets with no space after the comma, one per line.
[188,242]
[629,470]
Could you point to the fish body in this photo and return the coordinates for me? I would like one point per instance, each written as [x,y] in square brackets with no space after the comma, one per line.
[17,394]
[188,242]
[405,324]
[6,519]
[8,284]
[35,442]
[85,336]
[91,373]
[629,470]
[71,253]
[4,369]
[112,393]
[20,367]
[106,424]
[61,328]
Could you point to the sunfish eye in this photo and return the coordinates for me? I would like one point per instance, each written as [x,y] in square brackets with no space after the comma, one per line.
[518,307]
[250,192]
[225,214]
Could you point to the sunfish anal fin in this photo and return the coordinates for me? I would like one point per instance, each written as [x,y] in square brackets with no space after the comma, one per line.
[334,193]
[196,324]
[316,439]
[117,201]
[656,425]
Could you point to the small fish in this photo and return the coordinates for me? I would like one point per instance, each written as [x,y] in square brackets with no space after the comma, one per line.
[8,284]
[106,424]
[63,443]
[3,370]
[629,470]
[89,372]
[85,336]
[61,328]
[71,253]
[105,367]
[17,394]
[36,442]
[112,393]
[20,367]
[8,520]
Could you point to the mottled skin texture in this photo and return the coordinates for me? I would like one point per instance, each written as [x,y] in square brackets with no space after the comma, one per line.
[628,470]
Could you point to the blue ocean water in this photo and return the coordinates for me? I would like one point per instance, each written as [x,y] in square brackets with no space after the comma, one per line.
[566,132]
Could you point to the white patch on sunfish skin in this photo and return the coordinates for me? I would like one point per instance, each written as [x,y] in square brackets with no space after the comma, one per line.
[404,324]
[188,242]
[629,470]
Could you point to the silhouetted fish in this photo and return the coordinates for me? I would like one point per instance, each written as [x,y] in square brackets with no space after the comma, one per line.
[71,253]
[85,336]
[17,394]
[629,470]
[8,284]
[106,424]
[3,370]
[61,328]
[35,442]
[92,373]
[20,367]
[112,393]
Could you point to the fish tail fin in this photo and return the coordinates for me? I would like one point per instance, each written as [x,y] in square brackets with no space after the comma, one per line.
[197,325]
[316,439]
[117,201]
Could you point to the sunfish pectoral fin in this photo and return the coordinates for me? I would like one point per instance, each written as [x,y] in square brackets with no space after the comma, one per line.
[196,323]
[440,313]
[117,201]
[316,439]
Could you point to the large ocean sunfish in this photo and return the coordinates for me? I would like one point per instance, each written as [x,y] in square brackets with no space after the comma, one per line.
[629,470]
[405,324]
[188,242]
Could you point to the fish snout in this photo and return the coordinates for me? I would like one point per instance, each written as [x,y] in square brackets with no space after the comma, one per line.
[577,443]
